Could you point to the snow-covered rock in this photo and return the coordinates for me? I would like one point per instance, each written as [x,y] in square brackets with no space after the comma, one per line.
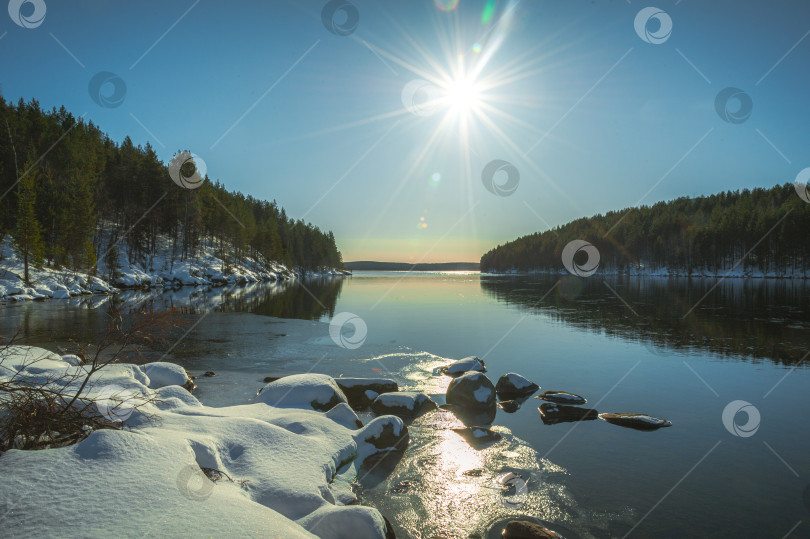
[167,374]
[472,390]
[407,404]
[315,391]
[635,421]
[342,414]
[513,386]
[467,364]
[72,359]
[355,389]
[561,397]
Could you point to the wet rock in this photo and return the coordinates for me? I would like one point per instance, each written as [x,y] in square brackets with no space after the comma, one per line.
[406,404]
[356,389]
[209,374]
[552,413]
[561,397]
[386,433]
[467,364]
[476,436]
[268,379]
[512,386]
[510,407]
[523,529]
[635,421]
[389,529]
[472,390]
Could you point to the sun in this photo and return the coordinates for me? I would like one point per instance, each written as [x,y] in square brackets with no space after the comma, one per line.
[463,95]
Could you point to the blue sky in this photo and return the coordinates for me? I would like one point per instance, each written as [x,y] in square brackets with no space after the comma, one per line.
[592,116]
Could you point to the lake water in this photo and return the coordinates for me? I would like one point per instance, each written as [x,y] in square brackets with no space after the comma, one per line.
[677,349]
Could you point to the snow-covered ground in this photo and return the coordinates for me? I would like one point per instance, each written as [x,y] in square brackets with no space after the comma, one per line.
[160,271]
[738,272]
[279,471]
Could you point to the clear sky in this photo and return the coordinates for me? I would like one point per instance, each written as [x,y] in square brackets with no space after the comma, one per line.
[593,114]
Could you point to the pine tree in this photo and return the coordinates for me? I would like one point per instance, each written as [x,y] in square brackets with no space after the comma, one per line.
[28,233]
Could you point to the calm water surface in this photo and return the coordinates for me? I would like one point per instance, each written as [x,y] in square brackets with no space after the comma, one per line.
[676,349]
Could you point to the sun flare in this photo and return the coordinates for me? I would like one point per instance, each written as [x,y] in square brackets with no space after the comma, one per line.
[463,95]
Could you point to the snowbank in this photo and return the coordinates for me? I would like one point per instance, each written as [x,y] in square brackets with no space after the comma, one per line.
[252,469]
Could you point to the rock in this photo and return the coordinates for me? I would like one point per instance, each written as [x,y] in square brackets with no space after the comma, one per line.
[355,389]
[306,391]
[478,435]
[268,379]
[406,404]
[523,529]
[472,390]
[210,374]
[635,421]
[382,435]
[72,359]
[343,415]
[511,386]
[471,417]
[510,407]
[552,413]
[561,397]
[467,364]
[163,374]
[389,529]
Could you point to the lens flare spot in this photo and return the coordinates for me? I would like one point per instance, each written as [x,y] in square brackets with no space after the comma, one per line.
[436,177]
[477,48]
[446,5]
[488,12]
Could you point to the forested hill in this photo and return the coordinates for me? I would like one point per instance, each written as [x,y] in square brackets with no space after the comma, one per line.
[63,181]
[703,234]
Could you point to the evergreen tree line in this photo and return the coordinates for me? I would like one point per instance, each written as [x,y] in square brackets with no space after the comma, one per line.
[711,233]
[70,191]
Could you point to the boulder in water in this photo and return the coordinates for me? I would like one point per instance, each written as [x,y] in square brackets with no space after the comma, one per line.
[524,529]
[472,390]
[356,389]
[561,397]
[406,404]
[635,421]
[467,364]
[552,413]
[512,386]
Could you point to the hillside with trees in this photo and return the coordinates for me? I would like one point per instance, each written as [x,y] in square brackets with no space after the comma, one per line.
[67,191]
[749,231]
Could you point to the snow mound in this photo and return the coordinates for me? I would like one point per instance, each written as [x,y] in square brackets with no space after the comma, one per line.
[314,391]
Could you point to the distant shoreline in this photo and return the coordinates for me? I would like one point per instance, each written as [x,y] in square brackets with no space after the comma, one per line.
[370,265]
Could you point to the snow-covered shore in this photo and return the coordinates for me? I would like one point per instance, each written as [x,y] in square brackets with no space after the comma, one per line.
[275,468]
[731,273]
[161,271]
